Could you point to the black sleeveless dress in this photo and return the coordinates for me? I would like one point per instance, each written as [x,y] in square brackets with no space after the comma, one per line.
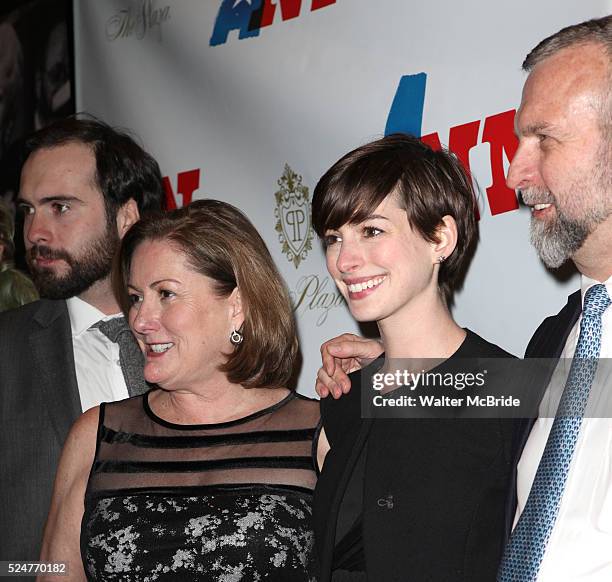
[225,502]
[418,500]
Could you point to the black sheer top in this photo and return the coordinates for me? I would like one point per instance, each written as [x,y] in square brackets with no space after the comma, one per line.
[229,501]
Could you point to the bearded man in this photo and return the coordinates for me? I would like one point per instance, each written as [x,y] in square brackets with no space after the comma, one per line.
[82,186]
[560,508]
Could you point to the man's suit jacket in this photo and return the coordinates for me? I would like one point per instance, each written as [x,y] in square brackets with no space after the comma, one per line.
[548,341]
[39,401]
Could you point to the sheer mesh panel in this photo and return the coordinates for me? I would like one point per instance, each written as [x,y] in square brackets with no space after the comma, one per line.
[139,451]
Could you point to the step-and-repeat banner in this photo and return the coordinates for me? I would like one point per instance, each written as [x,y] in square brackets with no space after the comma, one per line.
[250,101]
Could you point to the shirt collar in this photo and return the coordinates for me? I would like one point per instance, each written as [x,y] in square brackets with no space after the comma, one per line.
[83,315]
[586,283]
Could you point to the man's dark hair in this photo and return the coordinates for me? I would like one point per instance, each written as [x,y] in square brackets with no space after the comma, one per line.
[430,185]
[123,169]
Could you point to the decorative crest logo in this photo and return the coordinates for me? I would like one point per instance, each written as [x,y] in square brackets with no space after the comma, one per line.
[293,217]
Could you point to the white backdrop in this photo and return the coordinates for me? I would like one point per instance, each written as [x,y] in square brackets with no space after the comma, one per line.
[224,109]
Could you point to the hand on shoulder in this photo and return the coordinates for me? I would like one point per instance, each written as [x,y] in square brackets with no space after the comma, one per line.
[340,356]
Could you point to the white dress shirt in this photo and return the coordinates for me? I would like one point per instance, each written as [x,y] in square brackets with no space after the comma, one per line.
[580,545]
[96,358]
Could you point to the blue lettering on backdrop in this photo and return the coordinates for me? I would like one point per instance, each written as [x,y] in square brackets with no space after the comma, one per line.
[235,15]
[406,113]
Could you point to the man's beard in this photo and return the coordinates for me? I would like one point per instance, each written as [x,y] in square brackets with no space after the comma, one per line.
[93,264]
[558,239]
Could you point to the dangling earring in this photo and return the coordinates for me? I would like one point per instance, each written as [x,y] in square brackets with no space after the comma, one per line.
[441,259]
[236,337]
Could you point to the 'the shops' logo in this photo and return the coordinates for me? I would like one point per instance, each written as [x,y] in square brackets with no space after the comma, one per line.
[248,17]
[292,214]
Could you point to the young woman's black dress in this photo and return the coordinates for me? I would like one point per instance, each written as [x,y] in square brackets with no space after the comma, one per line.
[413,499]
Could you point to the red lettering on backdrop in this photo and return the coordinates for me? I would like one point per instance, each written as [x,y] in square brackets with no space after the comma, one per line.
[316,4]
[186,184]
[432,140]
[170,201]
[461,139]
[499,132]
[289,9]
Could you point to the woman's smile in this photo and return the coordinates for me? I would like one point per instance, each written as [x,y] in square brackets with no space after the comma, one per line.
[358,288]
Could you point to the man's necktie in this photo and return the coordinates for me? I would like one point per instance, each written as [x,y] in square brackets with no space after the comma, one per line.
[130,356]
[524,553]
